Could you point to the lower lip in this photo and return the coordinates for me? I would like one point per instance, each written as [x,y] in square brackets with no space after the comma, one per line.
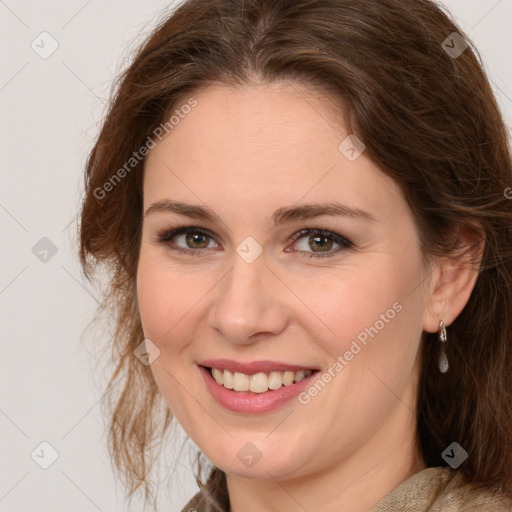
[253,403]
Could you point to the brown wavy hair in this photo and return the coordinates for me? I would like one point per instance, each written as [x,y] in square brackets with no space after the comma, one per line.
[428,120]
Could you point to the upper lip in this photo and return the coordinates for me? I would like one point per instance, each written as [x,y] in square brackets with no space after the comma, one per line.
[252,367]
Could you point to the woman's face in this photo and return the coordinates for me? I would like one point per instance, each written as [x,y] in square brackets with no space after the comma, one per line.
[262,298]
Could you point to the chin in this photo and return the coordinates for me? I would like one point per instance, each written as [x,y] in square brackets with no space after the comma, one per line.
[258,460]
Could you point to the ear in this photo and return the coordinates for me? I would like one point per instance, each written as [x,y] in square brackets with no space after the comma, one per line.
[453,278]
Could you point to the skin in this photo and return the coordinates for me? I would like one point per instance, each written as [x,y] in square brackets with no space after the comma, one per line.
[244,153]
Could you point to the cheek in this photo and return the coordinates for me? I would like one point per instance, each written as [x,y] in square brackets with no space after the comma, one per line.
[155,301]
[377,305]
[165,297]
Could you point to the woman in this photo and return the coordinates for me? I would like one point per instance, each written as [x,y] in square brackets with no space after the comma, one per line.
[303,209]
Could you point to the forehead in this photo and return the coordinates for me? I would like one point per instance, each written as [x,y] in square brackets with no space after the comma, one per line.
[263,146]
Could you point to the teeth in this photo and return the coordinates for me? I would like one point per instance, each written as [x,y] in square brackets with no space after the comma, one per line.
[300,375]
[288,378]
[217,375]
[240,382]
[275,380]
[259,382]
[227,379]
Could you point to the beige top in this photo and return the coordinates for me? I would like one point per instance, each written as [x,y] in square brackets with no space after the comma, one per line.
[439,489]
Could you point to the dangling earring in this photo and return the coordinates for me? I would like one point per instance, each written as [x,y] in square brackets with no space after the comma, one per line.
[443,360]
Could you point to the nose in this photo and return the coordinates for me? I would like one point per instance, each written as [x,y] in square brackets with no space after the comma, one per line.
[248,303]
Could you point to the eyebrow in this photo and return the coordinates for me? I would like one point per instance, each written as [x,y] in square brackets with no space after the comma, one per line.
[280,216]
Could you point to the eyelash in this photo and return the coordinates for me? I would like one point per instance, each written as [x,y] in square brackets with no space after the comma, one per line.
[165,236]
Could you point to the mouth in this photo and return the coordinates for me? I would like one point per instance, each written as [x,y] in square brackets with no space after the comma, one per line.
[259,382]
[254,387]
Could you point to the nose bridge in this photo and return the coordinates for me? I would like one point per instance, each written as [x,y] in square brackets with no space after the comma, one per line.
[246,302]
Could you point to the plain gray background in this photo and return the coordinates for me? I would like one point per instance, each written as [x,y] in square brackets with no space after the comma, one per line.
[51,110]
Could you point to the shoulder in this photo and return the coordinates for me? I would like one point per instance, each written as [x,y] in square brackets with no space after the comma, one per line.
[459,494]
[437,489]
[442,489]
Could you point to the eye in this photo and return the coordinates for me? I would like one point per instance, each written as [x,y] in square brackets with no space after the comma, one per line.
[310,243]
[320,241]
[192,238]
